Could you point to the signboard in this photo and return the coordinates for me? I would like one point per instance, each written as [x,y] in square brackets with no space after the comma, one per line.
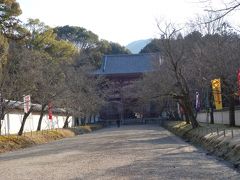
[27,103]
[216,88]
[50,111]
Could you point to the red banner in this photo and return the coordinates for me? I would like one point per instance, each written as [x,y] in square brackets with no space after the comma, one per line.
[239,82]
[50,111]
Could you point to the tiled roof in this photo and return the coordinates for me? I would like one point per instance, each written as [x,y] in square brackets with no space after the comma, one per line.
[36,107]
[127,64]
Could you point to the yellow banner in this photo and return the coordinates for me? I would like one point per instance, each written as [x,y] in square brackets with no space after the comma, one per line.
[216,88]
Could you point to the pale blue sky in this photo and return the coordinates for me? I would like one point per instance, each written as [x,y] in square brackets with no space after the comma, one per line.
[121,21]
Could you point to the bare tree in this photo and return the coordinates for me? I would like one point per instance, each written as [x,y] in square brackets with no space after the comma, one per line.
[181,69]
[216,54]
[18,79]
[34,73]
[208,24]
[219,57]
[29,76]
[153,88]
[176,76]
[81,96]
[227,8]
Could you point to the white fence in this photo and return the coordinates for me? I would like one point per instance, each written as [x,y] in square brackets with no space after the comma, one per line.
[12,122]
[220,117]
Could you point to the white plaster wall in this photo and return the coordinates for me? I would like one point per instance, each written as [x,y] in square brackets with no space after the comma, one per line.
[12,122]
[237,117]
[220,117]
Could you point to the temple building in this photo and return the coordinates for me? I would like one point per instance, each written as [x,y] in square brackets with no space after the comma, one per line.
[122,71]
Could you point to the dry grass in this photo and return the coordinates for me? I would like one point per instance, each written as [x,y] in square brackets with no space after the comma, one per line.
[216,138]
[13,142]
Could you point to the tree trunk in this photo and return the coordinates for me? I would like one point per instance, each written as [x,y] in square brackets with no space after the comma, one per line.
[41,117]
[190,112]
[83,121]
[20,132]
[187,118]
[231,110]
[0,127]
[76,121]
[211,111]
[181,116]
[210,103]
[211,115]
[185,112]
[2,117]
[66,122]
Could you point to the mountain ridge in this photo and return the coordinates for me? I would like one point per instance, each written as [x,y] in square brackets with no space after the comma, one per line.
[136,46]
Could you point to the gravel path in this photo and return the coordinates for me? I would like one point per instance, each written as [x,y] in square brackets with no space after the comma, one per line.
[130,152]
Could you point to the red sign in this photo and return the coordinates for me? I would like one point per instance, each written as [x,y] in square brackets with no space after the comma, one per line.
[239,82]
[50,111]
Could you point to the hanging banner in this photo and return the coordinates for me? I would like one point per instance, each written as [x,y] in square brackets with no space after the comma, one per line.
[216,88]
[50,111]
[197,102]
[26,103]
[238,82]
